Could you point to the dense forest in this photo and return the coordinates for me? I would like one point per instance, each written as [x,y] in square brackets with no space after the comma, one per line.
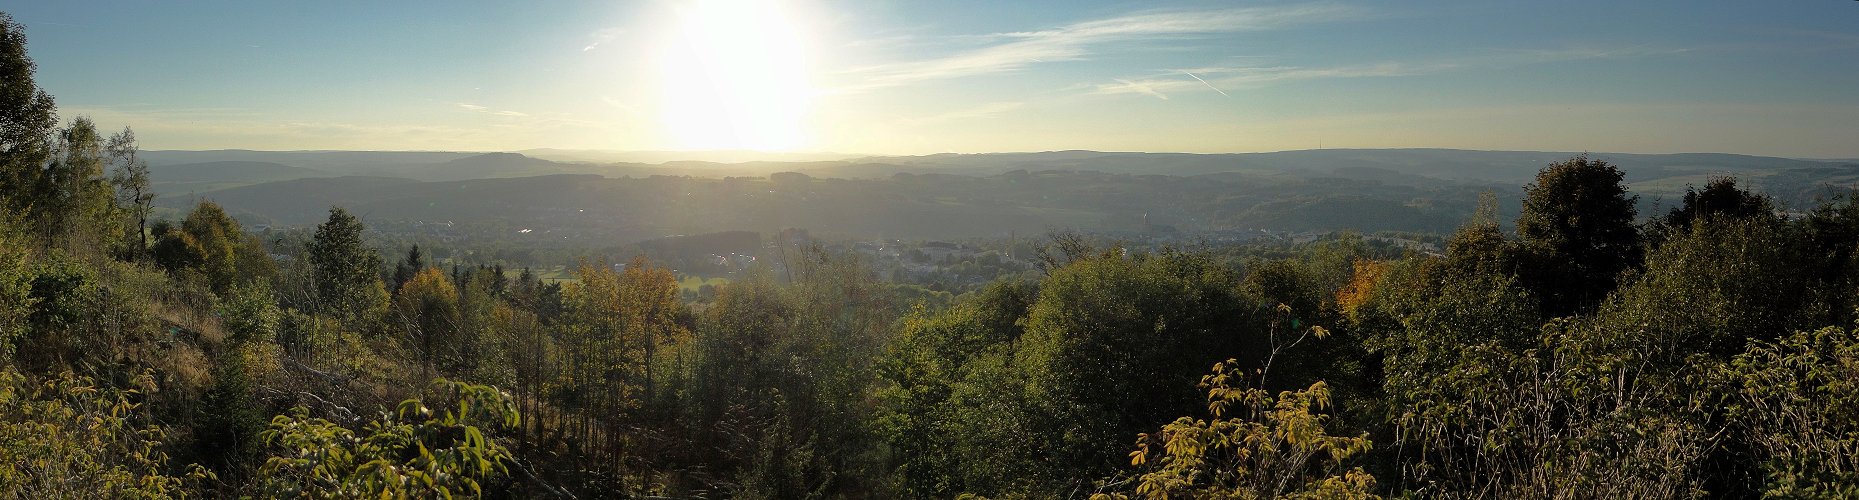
[1705,351]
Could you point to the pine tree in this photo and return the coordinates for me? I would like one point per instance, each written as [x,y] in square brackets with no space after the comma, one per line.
[346,281]
[409,266]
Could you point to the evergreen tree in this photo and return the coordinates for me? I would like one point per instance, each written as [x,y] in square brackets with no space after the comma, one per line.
[345,269]
[410,265]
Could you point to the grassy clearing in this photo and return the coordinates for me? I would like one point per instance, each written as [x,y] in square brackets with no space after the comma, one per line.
[691,283]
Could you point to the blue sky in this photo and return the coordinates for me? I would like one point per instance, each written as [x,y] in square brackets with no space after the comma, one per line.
[1773,78]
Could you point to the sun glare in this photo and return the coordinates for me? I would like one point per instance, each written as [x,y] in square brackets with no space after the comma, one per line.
[734,75]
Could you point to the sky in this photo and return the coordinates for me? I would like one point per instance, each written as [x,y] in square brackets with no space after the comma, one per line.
[896,77]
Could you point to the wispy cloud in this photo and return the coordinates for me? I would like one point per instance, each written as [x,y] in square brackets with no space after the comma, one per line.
[1186,80]
[1827,39]
[1221,78]
[1575,53]
[1144,87]
[477,108]
[1204,82]
[1006,52]
[602,36]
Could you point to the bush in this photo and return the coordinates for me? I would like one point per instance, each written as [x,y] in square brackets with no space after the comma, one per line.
[71,438]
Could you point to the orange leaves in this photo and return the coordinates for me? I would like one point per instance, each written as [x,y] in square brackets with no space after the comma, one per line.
[1361,286]
[634,301]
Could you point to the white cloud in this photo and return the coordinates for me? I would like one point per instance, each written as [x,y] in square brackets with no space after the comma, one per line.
[1575,53]
[1223,78]
[1014,51]
[1204,82]
[602,36]
[1144,87]
[487,110]
[1217,78]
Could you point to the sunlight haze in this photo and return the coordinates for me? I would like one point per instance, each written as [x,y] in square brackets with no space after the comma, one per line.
[923,77]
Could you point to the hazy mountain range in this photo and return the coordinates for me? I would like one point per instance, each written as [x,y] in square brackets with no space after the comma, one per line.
[940,195]
[1508,167]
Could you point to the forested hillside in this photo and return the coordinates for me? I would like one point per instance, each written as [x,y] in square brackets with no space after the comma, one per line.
[941,196]
[1705,350]
[909,206]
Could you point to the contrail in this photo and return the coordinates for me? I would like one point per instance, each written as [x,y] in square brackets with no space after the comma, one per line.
[1204,82]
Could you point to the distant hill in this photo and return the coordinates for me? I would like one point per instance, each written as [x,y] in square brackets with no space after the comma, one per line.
[497,165]
[657,157]
[1315,183]
[295,201]
[339,162]
[594,209]
[1655,176]
[169,179]
[1508,167]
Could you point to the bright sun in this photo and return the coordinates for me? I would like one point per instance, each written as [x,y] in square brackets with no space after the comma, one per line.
[734,76]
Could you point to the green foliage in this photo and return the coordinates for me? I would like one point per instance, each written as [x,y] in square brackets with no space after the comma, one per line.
[1720,198]
[416,451]
[346,271]
[408,266]
[27,117]
[1572,417]
[72,438]
[16,298]
[1829,246]
[74,203]
[1111,325]
[615,324]
[1712,289]
[428,307]
[1482,400]
[1480,246]
[1793,400]
[786,461]
[1256,445]
[129,176]
[778,378]
[948,408]
[64,297]
[208,243]
[230,417]
[1578,227]
[250,314]
[1442,327]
